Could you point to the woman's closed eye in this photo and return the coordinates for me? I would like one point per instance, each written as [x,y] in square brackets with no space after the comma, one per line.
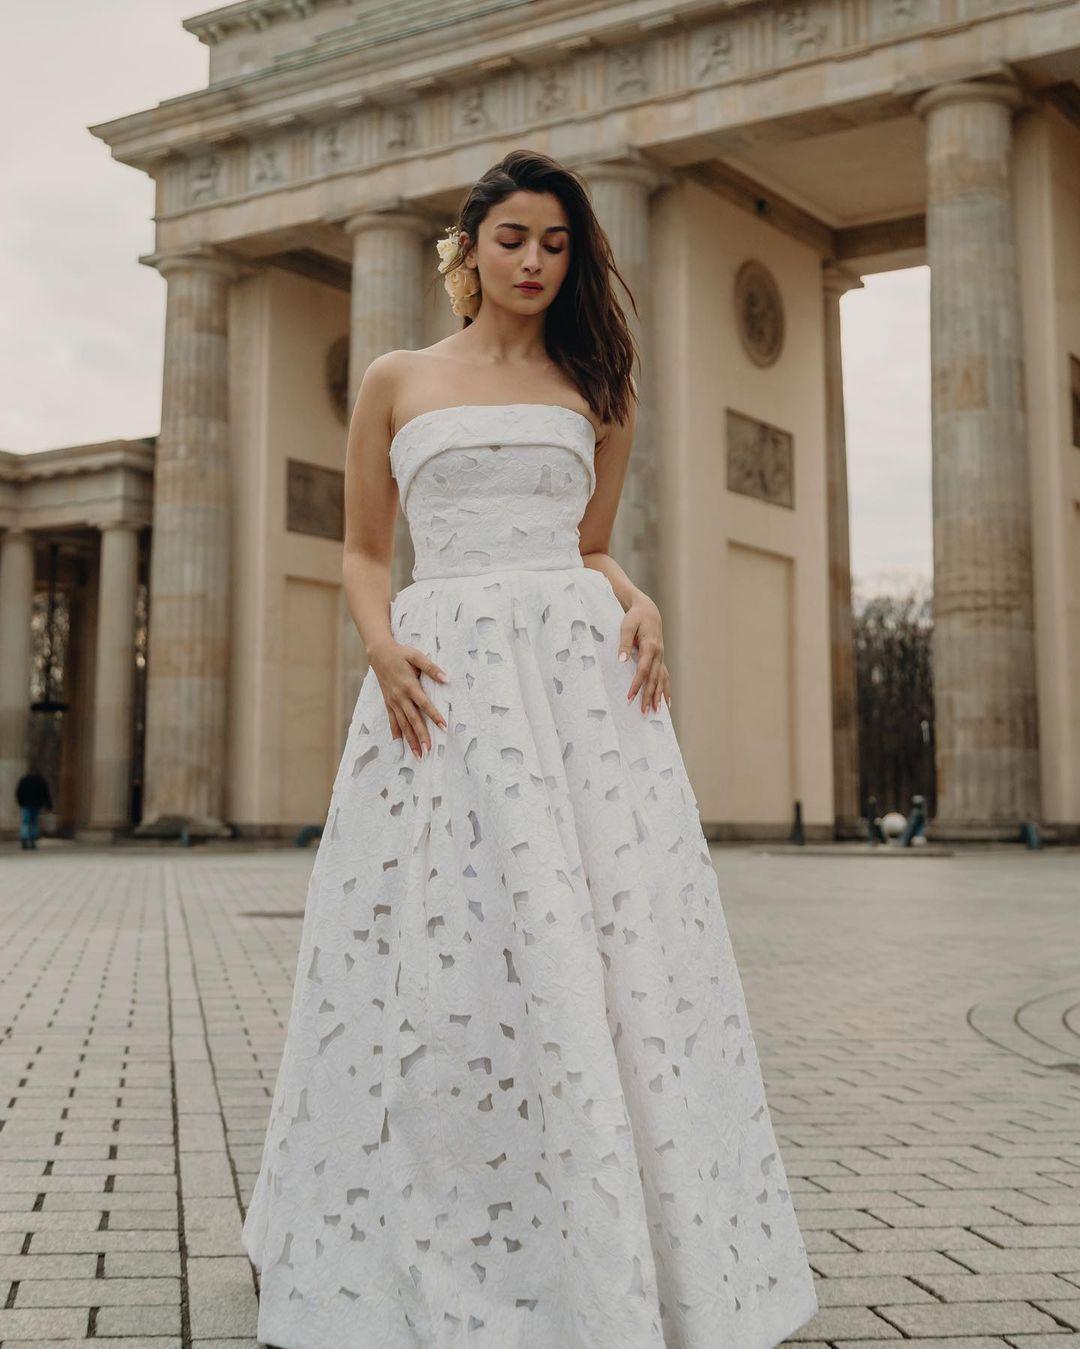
[554,251]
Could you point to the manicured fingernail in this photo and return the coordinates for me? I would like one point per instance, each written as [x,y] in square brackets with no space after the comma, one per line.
[624,655]
[443,676]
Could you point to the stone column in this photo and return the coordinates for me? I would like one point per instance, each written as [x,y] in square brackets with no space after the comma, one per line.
[16,657]
[984,647]
[620,189]
[188,654]
[847,807]
[115,677]
[392,261]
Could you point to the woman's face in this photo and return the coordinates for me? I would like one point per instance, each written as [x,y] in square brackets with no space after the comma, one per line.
[523,251]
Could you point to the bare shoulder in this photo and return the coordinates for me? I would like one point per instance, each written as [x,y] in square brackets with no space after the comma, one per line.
[620,433]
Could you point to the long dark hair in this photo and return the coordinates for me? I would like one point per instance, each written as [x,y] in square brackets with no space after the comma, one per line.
[586,330]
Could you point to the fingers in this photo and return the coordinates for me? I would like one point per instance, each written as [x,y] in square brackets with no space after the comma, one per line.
[412,708]
[418,725]
[424,662]
[650,670]
[627,633]
[407,704]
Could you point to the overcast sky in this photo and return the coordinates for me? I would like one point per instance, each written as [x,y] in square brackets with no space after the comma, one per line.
[81,320]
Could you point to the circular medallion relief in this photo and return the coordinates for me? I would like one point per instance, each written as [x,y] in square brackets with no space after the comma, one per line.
[759,312]
[337,377]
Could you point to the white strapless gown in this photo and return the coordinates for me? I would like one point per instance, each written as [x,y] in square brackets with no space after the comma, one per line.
[519,1104]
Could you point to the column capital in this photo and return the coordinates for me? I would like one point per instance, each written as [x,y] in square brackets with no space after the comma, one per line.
[397,213]
[971,91]
[837,280]
[198,258]
[628,165]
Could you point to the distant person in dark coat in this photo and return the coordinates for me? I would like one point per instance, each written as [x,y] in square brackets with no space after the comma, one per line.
[32,795]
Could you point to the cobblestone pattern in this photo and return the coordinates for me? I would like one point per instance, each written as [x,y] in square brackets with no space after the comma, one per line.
[918,1022]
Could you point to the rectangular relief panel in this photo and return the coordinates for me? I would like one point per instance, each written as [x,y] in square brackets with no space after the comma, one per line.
[759,628]
[760,459]
[315,500]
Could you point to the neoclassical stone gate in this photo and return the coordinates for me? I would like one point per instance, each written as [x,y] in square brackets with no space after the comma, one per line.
[831,139]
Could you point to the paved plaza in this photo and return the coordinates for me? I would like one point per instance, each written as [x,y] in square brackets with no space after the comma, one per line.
[918,1020]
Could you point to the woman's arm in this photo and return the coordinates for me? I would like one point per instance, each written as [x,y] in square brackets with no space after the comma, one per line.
[371,499]
[642,625]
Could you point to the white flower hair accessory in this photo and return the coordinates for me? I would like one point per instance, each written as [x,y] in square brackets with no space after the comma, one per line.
[462,283]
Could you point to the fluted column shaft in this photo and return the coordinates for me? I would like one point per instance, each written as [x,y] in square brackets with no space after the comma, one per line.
[984,647]
[620,190]
[845,717]
[187,667]
[391,263]
[115,676]
[16,656]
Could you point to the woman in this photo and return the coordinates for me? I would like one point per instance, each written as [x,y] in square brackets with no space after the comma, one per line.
[519,1105]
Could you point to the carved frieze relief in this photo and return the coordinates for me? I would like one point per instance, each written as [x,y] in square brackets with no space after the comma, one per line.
[336,146]
[628,73]
[472,114]
[549,93]
[805,31]
[742,44]
[713,52]
[206,178]
[399,131]
[268,164]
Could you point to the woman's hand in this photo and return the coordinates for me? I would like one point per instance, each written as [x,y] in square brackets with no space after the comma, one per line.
[398,668]
[642,625]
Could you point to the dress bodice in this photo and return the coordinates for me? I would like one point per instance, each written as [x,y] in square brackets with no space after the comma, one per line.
[491,486]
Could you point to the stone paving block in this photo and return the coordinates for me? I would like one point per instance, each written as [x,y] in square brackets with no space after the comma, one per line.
[63,1243]
[38,1266]
[967,1318]
[910,1239]
[38,1324]
[127,1342]
[146,1321]
[820,1201]
[1017,1236]
[212,1227]
[207,1175]
[140,1182]
[958,1215]
[995,1287]
[202,1133]
[871,1264]
[845,1323]
[860,1292]
[97,1293]
[1023,1260]
[143,1220]
[142,1264]
[953,1342]
[113,1201]
[80,1221]
[221,1297]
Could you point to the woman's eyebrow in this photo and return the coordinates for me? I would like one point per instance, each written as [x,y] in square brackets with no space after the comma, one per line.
[513,225]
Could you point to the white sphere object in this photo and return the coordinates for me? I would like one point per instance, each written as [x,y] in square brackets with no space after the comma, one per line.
[893,824]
